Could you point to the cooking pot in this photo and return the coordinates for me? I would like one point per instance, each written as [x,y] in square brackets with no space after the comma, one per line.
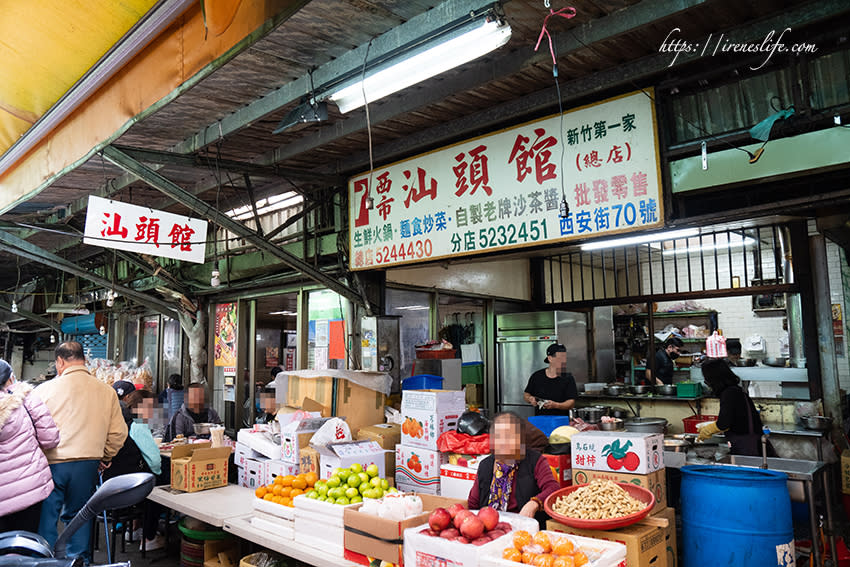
[646,424]
[642,389]
[676,445]
[591,415]
[615,425]
[202,428]
[615,389]
[666,390]
[619,413]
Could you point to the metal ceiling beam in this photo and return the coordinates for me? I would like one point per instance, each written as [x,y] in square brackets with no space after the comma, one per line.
[177,193]
[134,260]
[25,249]
[32,317]
[622,76]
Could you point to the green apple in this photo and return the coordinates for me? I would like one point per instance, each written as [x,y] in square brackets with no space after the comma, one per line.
[351,493]
[336,471]
[334,481]
[313,494]
[356,468]
[343,501]
[371,493]
[376,482]
[322,490]
[343,474]
[372,470]
[385,484]
[363,477]
[356,499]
[364,486]
[392,490]
[321,498]
[354,480]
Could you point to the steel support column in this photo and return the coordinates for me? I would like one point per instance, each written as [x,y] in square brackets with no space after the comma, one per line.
[177,193]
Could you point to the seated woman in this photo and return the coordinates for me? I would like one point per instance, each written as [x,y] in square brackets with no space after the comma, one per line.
[512,478]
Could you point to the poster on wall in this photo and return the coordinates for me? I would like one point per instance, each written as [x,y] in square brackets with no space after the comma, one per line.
[506,189]
[272,358]
[225,335]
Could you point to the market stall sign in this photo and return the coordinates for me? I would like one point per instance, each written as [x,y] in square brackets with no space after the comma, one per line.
[113,224]
[226,328]
[504,190]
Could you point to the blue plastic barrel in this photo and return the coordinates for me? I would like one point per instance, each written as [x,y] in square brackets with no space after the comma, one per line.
[735,516]
[549,423]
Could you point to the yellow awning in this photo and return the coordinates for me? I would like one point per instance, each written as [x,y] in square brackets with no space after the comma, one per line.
[46,46]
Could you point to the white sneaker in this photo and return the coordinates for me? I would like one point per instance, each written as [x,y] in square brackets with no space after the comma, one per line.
[135,535]
[153,544]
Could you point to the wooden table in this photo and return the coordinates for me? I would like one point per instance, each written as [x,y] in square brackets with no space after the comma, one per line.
[211,506]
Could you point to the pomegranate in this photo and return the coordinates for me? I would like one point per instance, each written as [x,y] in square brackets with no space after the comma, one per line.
[461,516]
[439,519]
[472,527]
[489,517]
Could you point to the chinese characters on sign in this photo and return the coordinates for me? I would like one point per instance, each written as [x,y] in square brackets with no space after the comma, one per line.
[113,224]
[505,190]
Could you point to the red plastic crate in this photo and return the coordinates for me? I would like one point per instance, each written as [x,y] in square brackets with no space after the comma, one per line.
[690,423]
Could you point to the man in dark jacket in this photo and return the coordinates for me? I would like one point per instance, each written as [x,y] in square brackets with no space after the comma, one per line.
[194,411]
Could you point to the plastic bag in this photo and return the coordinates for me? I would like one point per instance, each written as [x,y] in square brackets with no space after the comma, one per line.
[715,345]
[454,442]
[334,430]
[472,423]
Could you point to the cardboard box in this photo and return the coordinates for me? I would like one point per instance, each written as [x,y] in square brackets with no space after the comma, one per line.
[640,453]
[255,471]
[196,466]
[293,437]
[243,452]
[474,394]
[456,481]
[462,460]
[318,389]
[276,468]
[346,454]
[381,538]
[418,468]
[646,543]
[845,471]
[360,406]
[560,465]
[220,553]
[433,489]
[656,482]
[669,514]
[428,414]
[309,461]
[387,435]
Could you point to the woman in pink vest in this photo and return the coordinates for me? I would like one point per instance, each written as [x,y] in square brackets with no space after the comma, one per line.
[25,429]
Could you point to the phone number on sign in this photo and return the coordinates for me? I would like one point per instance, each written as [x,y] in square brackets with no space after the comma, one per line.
[400,252]
[506,235]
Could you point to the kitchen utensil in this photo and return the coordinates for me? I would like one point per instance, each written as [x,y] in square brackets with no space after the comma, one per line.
[606,410]
[642,389]
[615,390]
[637,492]
[203,428]
[592,415]
[817,422]
[646,424]
[614,425]
[676,445]
[619,413]
[666,390]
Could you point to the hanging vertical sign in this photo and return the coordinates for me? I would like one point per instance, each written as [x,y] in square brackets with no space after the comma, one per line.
[113,224]
[505,190]
[226,326]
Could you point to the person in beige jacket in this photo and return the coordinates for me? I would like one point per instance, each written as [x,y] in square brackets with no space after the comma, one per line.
[92,431]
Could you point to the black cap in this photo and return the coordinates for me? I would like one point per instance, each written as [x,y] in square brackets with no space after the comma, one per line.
[123,387]
[553,349]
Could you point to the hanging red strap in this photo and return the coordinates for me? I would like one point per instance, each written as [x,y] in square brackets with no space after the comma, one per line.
[567,13]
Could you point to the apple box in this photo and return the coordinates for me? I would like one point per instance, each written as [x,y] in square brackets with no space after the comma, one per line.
[427,414]
[296,435]
[456,481]
[618,451]
[418,468]
[343,455]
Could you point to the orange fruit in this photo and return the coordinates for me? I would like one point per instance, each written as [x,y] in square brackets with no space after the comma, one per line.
[278,479]
[312,478]
[528,557]
[268,496]
[542,539]
[287,480]
[261,491]
[277,489]
[286,491]
[295,492]
[299,483]
[562,546]
[565,561]
[512,554]
[543,560]
[580,559]
[287,502]
[521,539]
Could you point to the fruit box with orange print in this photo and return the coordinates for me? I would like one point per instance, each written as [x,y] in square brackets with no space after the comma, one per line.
[618,451]
[427,414]
[418,468]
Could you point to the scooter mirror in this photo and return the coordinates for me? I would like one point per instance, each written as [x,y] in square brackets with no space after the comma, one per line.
[118,492]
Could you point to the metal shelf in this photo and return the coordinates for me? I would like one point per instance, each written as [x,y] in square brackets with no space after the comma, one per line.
[669,314]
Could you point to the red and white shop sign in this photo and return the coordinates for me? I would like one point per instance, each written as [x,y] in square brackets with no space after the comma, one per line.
[113,224]
[504,190]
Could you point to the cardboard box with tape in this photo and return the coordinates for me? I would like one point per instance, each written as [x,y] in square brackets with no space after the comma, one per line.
[196,466]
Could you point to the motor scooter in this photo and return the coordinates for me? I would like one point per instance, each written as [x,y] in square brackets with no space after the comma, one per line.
[26,549]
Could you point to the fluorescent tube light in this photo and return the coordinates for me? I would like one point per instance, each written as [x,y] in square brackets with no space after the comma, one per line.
[412,308]
[481,39]
[68,308]
[641,239]
[709,247]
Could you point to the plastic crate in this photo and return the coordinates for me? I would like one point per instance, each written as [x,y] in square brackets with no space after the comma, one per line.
[472,373]
[442,353]
[688,389]
[422,382]
[548,423]
[690,423]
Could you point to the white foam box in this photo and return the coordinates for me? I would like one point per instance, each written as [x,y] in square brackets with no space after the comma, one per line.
[253,474]
[260,442]
[243,452]
[276,468]
[456,481]
[422,550]
[283,529]
[273,509]
[344,455]
[318,533]
[312,509]
[294,436]
[433,411]
[600,553]
[618,451]
[418,468]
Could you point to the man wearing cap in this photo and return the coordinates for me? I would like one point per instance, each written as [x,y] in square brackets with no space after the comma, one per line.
[552,390]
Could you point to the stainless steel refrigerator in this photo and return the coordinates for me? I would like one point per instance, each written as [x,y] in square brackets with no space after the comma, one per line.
[521,342]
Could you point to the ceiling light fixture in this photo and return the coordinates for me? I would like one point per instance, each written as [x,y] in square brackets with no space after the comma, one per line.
[52,338]
[215,278]
[102,330]
[68,309]
[14,307]
[642,239]
[424,58]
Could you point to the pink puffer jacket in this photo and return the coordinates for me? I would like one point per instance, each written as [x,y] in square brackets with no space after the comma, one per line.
[25,429]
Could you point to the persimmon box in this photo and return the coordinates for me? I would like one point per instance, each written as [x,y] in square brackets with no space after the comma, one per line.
[618,451]
[428,414]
